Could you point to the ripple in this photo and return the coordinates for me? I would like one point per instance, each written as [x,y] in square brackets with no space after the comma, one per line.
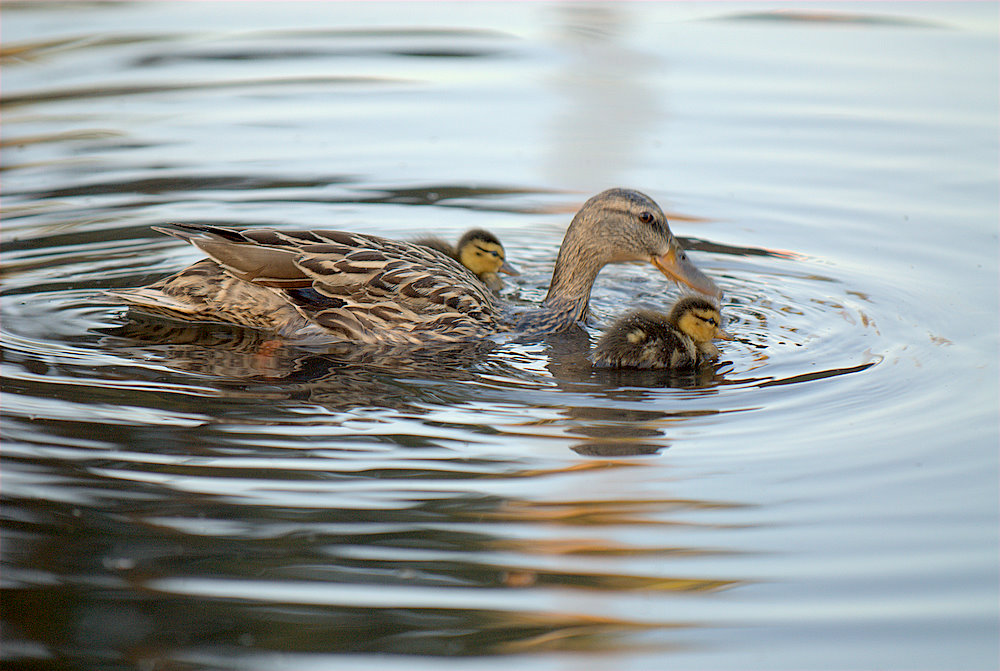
[41,96]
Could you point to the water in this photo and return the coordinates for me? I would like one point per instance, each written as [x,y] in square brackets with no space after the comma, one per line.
[825,498]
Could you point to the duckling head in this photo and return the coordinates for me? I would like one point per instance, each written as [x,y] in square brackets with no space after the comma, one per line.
[482,253]
[699,319]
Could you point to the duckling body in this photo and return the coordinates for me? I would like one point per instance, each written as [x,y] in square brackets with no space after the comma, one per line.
[478,250]
[334,286]
[679,340]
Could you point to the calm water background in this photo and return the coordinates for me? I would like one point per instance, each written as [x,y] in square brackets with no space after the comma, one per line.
[826,498]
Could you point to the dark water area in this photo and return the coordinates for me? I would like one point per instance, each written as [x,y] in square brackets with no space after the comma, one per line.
[200,497]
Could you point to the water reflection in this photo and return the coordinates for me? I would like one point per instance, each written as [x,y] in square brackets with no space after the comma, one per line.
[456,570]
[347,375]
[339,377]
[246,363]
[123,90]
[609,424]
[606,108]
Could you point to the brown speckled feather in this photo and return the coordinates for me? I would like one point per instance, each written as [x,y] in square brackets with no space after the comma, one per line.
[353,286]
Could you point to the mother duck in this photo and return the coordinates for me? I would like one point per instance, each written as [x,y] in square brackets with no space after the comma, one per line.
[317,287]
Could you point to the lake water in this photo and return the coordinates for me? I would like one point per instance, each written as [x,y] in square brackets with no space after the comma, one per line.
[825,498]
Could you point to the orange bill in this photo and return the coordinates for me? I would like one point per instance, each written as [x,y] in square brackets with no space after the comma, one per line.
[676,265]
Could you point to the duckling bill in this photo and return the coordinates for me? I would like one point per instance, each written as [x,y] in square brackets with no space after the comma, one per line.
[478,250]
[679,340]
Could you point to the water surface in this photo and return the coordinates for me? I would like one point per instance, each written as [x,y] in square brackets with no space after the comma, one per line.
[825,497]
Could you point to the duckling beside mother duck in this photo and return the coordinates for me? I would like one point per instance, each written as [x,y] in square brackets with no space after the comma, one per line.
[478,250]
[679,340]
[318,287]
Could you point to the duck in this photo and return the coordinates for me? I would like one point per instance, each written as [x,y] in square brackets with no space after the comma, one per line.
[679,340]
[320,287]
[478,250]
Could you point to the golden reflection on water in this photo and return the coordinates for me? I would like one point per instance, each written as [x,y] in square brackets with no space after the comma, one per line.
[600,512]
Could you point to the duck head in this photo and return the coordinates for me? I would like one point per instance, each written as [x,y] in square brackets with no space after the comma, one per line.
[622,225]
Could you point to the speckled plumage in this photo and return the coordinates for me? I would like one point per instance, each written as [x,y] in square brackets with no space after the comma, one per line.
[332,286]
[323,286]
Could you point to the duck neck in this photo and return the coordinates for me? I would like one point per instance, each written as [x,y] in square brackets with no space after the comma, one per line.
[573,278]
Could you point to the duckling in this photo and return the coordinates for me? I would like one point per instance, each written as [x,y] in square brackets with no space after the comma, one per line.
[478,250]
[678,340]
[323,287]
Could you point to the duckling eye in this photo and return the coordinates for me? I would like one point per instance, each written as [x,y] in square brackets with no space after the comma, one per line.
[646,217]
[487,251]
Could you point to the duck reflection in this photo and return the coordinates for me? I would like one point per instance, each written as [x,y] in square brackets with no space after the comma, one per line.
[340,377]
[404,555]
[609,428]
[434,573]
[598,133]
[246,363]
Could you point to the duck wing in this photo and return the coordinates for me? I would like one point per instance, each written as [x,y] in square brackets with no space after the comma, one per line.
[357,286]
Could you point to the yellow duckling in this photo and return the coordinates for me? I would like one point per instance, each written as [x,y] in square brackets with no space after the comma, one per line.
[646,339]
[478,250]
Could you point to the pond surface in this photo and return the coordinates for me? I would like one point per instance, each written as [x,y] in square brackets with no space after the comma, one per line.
[825,497]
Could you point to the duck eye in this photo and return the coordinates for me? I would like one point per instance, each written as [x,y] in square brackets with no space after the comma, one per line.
[646,217]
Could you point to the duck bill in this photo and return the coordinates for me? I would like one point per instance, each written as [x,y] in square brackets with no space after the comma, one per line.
[509,269]
[724,335]
[676,265]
